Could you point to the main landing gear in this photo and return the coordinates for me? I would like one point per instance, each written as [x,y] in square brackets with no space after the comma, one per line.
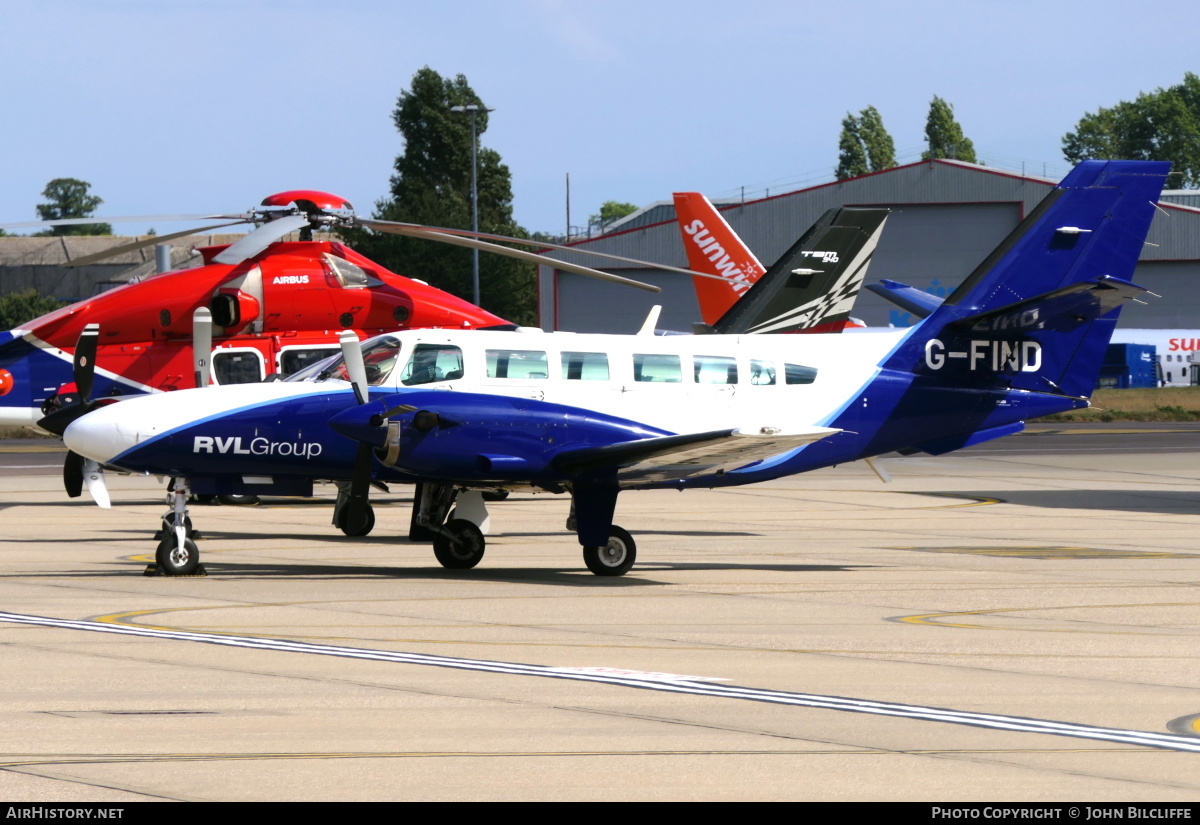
[177,553]
[341,512]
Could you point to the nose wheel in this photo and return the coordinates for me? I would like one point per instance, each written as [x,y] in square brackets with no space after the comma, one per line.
[459,545]
[614,558]
[177,553]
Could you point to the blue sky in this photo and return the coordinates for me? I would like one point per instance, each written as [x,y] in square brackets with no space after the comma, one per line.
[209,105]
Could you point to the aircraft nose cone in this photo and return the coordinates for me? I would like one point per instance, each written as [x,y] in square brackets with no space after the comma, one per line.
[100,435]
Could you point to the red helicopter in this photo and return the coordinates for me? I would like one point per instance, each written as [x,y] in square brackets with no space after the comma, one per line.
[257,308]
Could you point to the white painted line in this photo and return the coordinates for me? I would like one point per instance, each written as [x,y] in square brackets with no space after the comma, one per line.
[646,681]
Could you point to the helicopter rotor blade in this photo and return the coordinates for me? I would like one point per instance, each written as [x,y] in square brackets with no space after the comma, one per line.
[237,218]
[261,238]
[147,241]
[487,236]
[411,231]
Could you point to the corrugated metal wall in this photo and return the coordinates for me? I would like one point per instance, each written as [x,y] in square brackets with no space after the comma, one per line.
[948,216]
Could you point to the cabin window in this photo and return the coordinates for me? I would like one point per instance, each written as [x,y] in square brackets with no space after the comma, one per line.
[432,362]
[520,364]
[585,366]
[237,366]
[715,369]
[293,360]
[796,374]
[657,368]
[762,373]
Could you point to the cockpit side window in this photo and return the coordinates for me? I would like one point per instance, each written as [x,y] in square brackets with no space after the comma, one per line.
[380,359]
[432,362]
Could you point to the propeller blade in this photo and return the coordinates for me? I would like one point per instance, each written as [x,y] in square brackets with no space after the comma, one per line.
[149,240]
[261,238]
[84,366]
[433,235]
[355,366]
[73,474]
[202,324]
[466,233]
[93,476]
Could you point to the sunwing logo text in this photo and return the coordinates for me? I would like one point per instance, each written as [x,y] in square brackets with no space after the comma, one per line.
[711,249]
[257,446]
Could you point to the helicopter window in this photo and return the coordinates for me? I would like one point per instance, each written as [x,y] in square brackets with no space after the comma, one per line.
[517,363]
[796,374]
[585,366]
[657,368]
[293,360]
[715,369]
[432,362]
[762,373]
[346,273]
[237,366]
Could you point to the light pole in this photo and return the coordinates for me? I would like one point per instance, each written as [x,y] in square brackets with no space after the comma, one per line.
[473,108]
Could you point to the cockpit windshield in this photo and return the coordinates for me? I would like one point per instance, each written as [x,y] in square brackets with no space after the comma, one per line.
[379,356]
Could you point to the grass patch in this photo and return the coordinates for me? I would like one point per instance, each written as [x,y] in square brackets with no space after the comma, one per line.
[1166,404]
[21,432]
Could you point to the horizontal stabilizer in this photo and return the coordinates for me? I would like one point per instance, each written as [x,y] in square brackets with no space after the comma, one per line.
[908,298]
[667,458]
[1061,309]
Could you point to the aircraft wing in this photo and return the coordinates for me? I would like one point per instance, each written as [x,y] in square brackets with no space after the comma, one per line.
[671,457]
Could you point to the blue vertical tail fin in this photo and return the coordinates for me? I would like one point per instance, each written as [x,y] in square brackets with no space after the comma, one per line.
[1038,313]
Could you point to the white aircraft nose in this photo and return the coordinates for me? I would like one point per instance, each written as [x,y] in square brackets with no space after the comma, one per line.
[101,435]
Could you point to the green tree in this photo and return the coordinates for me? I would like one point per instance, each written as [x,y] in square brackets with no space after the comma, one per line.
[881,149]
[69,198]
[1160,125]
[944,134]
[852,155]
[611,211]
[432,185]
[18,307]
[865,145]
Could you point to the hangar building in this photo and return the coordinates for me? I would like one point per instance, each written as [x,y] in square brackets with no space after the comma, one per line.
[946,217]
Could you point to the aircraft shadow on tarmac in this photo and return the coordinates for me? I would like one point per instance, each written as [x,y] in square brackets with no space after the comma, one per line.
[1134,501]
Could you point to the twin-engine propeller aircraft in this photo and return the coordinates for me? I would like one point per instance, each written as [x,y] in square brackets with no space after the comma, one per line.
[593,415]
[811,288]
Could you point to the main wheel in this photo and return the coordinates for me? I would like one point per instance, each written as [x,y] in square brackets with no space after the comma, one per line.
[495,495]
[174,560]
[614,558]
[365,525]
[460,545]
[239,501]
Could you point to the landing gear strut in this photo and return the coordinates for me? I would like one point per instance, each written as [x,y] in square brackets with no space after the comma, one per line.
[177,553]
[608,550]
